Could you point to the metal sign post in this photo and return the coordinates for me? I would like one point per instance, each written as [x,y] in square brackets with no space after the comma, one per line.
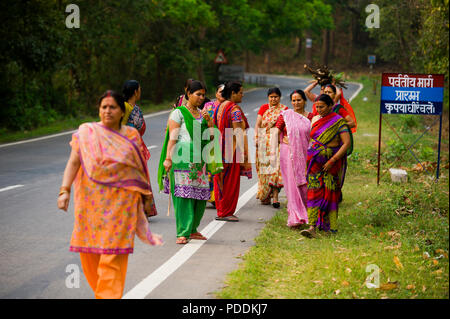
[418,94]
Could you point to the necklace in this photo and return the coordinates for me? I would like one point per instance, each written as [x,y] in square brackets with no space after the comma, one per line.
[194,111]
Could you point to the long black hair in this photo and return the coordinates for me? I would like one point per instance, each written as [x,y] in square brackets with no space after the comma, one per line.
[230,87]
[302,94]
[129,88]
[326,99]
[274,90]
[193,86]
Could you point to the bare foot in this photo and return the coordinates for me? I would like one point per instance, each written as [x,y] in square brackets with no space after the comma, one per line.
[197,236]
[181,240]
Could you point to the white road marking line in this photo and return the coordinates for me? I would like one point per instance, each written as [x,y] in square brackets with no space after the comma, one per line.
[153,146]
[148,284]
[246,114]
[10,187]
[37,139]
[256,110]
[69,132]
[357,91]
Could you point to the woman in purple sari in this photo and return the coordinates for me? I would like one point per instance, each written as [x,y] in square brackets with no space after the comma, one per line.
[295,125]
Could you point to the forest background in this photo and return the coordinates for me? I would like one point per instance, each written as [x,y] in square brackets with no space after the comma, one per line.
[49,72]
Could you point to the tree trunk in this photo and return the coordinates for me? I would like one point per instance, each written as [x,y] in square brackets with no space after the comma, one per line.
[350,44]
[325,46]
[332,46]
[299,46]
[267,61]
[158,76]
[247,61]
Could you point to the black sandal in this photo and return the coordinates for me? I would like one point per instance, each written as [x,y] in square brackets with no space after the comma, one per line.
[276,205]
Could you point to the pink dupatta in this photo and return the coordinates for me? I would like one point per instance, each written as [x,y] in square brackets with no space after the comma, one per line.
[298,129]
[112,159]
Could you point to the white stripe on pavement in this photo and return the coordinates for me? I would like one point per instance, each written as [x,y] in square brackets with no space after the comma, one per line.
[357,91]
[10,187]
[153,146]
[148,284]
[69,132]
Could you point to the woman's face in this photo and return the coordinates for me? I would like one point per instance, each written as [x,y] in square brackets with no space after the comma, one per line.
[196,98]
[298,103]
[138,94]
[274,99]
[219,97]
[329,91]
[237,97]
[110,112]
[322,108]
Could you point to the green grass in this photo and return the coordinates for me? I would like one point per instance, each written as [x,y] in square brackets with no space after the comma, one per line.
[393,226]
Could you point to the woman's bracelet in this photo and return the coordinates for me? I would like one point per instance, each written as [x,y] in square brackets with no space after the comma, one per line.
[168,159]
[64,189]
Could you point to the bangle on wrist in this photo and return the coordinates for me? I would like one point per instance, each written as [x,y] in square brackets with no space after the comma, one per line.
[64,189]
[168,159]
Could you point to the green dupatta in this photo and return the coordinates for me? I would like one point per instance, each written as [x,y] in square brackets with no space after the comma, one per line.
[214,164]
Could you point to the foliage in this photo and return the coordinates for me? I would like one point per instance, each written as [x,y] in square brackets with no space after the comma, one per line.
[49,72]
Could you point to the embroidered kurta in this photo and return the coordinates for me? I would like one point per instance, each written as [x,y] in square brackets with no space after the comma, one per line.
[108,191]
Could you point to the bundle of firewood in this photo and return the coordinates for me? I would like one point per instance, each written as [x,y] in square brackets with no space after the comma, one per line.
[325,76]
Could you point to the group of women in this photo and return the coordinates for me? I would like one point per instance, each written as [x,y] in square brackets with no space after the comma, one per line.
[306,154]
[200,161]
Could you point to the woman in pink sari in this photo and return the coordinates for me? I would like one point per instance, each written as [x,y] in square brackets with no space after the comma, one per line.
[111,191]
[295,126]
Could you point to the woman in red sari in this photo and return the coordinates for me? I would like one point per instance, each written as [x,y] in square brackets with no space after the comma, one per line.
[229,118]
[326,164]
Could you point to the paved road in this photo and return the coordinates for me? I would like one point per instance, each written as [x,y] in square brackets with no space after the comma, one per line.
[35,235]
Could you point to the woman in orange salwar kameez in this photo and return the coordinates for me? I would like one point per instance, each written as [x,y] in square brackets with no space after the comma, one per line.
[111,190]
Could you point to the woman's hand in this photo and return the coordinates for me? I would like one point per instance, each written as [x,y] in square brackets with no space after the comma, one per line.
[207,118]
[147,204]
[167,164]
[63,201]
[247,166]
[328,165]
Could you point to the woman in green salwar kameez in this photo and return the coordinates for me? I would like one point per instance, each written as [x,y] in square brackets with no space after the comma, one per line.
[182,157]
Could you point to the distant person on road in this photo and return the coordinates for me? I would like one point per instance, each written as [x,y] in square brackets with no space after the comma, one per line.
[182,168]
[270,181]
[295,126]
[133,115]
[210,107]
[233,125]
[326,166]
[111,191]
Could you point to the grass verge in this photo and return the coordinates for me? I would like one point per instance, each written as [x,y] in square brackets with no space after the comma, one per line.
[398,233]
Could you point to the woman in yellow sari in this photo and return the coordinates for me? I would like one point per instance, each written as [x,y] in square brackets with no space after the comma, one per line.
[111,191]
[268,169]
